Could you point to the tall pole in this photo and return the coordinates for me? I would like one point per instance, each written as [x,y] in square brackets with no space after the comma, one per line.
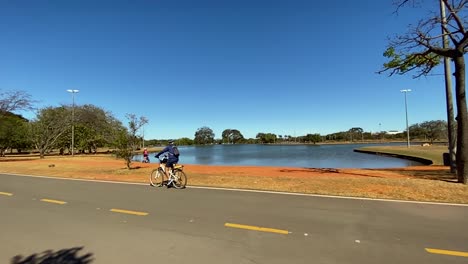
[406,112]
[73,92]
[380,131]
[448,93]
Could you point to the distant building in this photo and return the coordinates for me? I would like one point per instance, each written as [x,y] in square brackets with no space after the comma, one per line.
[393,132]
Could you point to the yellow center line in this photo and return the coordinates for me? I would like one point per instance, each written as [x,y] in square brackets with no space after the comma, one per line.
[257,228]
[447,252]
[5,193]
[129,212]
[53,201]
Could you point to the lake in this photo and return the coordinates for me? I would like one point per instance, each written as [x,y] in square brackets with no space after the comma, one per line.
[308,156]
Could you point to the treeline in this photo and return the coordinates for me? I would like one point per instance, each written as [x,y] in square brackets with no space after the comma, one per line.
[93,127]
[429,131]
[51,129]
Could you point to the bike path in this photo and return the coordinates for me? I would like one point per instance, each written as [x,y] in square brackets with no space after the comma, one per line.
[122,223]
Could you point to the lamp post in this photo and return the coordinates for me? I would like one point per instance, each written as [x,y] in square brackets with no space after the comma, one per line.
[448,94]
[380,131]
[73,92]
[406,112]
[143,135]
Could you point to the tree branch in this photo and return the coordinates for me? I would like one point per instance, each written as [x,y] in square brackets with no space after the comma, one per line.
[16,100]
[453,13]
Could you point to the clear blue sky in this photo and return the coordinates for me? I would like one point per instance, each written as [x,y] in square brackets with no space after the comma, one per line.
[284,67]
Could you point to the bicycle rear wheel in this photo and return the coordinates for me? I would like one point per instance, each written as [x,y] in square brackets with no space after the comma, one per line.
[180,180]
[157,177]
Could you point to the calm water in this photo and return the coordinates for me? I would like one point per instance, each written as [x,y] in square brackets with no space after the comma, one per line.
[323,156]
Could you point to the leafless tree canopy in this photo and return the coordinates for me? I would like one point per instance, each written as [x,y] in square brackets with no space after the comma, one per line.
[11,101]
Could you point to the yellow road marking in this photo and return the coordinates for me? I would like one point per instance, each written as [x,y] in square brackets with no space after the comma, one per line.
[447,252]
[129,212]
[257,228]
[5,193]
[53,201]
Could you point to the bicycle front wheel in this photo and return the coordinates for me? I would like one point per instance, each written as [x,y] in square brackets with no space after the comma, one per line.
[180,180]
[157,177]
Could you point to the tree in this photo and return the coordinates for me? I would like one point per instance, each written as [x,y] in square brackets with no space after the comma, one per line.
[338,136]
[354,132]
[266,138]
[122,146]
[127,139]
[185,141]
[418,132]
[204,135]
[94,127]
[13,133]
[12,101]
[420,50]
[49,125]
[260,137]
[312,138]
[13,130]
[232,136]
[434,130]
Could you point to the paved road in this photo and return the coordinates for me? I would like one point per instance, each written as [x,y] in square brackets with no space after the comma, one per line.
[122,223]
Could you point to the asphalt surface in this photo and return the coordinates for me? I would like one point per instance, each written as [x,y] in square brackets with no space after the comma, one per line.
[95,222]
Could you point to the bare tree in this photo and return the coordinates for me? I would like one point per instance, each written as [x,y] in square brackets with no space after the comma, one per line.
[421,49]
[127,139]
[11,101]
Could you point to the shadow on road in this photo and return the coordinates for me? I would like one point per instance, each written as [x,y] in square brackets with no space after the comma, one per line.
[63,256]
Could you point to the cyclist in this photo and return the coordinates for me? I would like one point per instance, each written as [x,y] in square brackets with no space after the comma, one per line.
[145,156]
[172,154]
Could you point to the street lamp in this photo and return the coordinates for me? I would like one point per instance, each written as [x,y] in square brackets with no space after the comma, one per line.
[143,135]
[73,92]
[406,111]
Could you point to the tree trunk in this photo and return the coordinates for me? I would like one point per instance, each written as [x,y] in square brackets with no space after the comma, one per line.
[449,98]
[128,162]
[462,120]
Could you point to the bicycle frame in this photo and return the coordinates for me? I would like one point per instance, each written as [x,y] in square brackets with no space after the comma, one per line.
[175,176]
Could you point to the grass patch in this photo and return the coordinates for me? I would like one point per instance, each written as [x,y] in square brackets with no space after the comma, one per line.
[433,153]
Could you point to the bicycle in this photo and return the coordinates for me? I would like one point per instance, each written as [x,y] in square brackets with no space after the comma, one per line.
[177,177]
